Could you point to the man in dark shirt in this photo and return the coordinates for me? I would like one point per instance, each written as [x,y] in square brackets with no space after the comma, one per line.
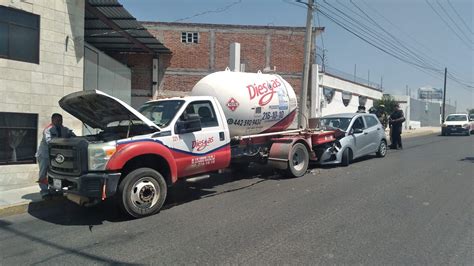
[395,121]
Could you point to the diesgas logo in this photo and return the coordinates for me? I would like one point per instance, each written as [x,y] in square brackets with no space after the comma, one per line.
[200,145]
[264,91]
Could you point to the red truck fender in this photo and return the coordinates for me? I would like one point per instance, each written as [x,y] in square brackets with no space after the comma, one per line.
[127,151]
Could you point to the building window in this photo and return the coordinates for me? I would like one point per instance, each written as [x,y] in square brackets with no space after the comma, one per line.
[18,138]
[190,37]
[19,35]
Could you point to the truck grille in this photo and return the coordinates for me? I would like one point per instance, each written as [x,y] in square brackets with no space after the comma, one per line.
[454,126]
[64,159]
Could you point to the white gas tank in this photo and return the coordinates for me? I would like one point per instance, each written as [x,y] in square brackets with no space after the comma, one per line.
[253,102]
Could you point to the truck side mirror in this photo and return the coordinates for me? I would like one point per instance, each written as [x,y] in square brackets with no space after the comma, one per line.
[188,123]
[357,131]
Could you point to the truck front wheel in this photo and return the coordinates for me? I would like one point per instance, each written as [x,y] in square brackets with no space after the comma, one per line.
[298,160]
[142,192]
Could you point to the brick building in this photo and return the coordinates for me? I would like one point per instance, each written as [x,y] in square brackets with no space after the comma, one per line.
[200,49]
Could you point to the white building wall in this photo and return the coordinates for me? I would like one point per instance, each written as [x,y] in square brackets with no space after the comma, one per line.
[36,88]
[336,105]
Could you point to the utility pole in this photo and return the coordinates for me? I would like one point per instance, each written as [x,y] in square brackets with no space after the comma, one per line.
[444,94]
[406,86]
[381,82]
[303,110]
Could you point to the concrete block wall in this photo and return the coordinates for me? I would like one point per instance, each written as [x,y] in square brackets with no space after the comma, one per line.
[36,88]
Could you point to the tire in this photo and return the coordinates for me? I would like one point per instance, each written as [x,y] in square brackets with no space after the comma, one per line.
[346,157]
[142,192]
[298,160]
[382,151]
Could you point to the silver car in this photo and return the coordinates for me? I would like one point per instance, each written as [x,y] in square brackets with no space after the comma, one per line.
[360,134]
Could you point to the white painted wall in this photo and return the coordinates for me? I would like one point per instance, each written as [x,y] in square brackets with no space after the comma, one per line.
[336,105]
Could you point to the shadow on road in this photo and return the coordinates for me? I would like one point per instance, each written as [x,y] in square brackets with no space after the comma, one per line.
[5,226]
[61,211]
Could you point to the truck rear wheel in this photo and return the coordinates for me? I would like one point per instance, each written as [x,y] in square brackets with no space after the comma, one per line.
[142,192]
[298,160]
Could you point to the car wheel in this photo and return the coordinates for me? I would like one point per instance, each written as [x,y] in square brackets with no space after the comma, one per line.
[298,160]
[346,157]
[142,192]
[382,151]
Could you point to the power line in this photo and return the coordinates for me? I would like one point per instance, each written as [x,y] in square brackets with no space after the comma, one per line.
[454,22]
[423,47]
[428,58]
[447,24]
[460,18]
[377,41]
[418,57]
[384,49]
[217,10]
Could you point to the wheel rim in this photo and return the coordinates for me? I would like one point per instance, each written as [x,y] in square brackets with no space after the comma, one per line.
[383,148]
[298,160]
[145,193]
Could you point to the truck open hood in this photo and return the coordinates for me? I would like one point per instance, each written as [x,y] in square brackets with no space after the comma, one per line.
[97,109]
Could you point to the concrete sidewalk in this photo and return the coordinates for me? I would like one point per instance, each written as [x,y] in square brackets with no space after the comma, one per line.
[17,200]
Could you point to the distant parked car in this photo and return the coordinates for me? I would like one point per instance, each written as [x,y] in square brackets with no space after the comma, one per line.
[360,134]
[457,124]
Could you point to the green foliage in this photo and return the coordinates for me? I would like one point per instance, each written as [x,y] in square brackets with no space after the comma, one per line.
[388,101]
[470,111]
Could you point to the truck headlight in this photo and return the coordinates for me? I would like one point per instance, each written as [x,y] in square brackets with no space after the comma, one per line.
[465,125]
[99,154]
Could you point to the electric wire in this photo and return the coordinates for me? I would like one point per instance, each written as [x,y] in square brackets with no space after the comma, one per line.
[448,25]
[431,72]
[460,18]
[454,22]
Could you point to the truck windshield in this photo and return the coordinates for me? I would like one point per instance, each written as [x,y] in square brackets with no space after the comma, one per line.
[456,118]
[161,112]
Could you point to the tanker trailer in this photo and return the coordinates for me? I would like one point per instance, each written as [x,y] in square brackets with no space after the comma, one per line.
[253,103]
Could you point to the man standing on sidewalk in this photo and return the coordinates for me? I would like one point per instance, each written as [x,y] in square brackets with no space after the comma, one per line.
[395,121]
[53,130]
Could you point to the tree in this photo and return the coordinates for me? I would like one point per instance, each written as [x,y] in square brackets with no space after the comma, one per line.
[470,111]
[388,101]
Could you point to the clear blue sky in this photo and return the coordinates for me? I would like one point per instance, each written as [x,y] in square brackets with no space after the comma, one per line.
[413,22]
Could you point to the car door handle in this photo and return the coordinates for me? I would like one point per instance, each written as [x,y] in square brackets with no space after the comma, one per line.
[221,136]
[378,128]
[365,133]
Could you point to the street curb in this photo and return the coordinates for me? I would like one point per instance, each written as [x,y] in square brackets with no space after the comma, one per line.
[419,134]
[24,207]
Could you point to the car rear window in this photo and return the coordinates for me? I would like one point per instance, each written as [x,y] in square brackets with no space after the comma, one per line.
[456,118]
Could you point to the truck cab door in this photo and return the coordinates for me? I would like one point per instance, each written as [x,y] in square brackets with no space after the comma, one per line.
[204,150]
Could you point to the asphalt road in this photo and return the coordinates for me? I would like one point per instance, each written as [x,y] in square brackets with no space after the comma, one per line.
[413,207]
